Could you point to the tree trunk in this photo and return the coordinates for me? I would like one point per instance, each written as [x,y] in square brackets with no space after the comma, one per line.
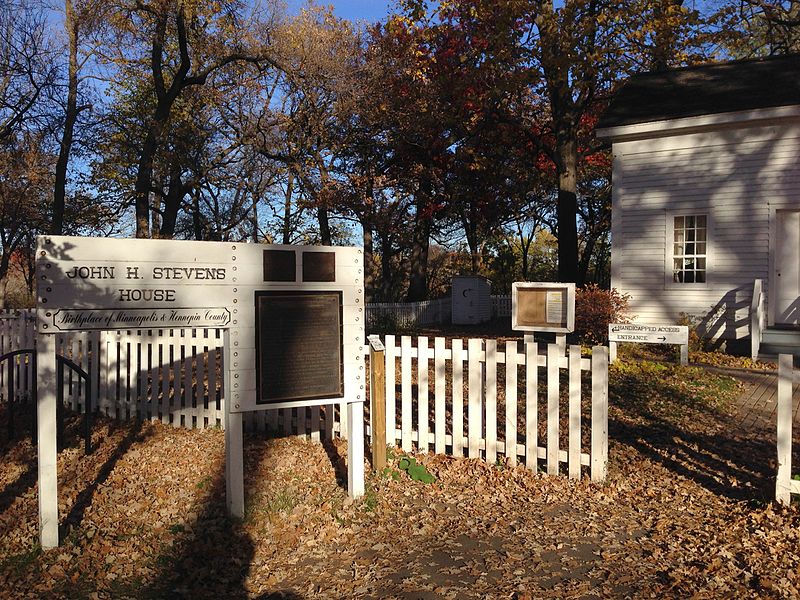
[197,221]
[525,247]
[254,217]
[471,233]
[418,272]
[369,263]
[565,118]
[172,202]
[144,178]
[70,117]
[387,272]
[324,226]
[567,211]
[287,210]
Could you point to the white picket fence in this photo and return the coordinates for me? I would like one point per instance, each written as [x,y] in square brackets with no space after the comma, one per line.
[487,401]
[405,315]
[16,333]
[501,306]
[464,398]
[788,377]
[172,376]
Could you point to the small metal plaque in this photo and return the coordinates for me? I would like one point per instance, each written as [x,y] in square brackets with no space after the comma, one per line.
[280,265]
[319,266]
[299,346]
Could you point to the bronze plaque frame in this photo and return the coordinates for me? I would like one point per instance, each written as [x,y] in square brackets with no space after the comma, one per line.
[280,266]
[299,345]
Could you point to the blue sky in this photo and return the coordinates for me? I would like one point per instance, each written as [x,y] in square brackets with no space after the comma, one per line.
[368,10]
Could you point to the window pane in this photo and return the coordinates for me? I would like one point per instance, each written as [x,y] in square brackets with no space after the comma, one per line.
[689,247]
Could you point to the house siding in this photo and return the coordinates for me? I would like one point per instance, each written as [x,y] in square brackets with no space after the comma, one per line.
[737,175]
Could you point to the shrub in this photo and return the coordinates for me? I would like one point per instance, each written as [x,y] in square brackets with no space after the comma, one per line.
[696,342]
[595,309]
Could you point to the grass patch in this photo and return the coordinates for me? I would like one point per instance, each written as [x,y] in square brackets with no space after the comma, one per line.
[669,391]
[21,562]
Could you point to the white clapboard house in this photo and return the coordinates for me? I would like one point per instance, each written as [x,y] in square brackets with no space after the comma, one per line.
[706,199]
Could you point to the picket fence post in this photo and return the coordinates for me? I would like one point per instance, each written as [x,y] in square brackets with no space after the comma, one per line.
[783,483]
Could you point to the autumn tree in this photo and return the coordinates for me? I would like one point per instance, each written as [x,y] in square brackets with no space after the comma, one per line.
[25,191]
[763,27]
[576,53]
[180,46]
[418,132]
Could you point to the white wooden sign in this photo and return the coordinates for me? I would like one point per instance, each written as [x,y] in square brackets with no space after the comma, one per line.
[103,283]
[293,318]
[649,334]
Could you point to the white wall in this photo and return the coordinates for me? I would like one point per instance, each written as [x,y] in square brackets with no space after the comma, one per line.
[737,174]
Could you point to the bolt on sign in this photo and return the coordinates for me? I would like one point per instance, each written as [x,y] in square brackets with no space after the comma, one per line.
[295,314]
[293,318]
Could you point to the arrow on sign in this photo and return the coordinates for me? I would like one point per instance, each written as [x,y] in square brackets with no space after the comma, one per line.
[663,339]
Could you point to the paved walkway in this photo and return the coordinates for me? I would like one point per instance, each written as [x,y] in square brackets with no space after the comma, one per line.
[758,401]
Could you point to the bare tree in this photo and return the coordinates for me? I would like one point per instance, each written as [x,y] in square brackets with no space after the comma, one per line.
[27,69]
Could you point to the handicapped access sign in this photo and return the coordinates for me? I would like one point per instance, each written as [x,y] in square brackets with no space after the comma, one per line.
[648,334]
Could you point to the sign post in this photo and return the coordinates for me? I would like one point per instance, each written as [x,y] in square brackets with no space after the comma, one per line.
[377,396]
[274,303]
[649,334]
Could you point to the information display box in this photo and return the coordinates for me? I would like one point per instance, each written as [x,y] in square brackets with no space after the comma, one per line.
[545,307]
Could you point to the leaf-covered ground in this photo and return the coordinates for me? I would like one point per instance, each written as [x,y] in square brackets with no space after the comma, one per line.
[685,512]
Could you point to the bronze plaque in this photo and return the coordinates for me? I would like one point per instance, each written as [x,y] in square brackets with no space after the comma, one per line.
[319,266]
[298,346]
[280,265]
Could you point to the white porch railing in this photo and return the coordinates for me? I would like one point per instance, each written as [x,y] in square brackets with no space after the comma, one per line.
[757,318]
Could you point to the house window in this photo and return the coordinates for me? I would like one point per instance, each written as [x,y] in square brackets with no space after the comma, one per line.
[689,249]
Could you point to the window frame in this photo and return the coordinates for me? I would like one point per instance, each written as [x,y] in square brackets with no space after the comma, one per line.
[669,250]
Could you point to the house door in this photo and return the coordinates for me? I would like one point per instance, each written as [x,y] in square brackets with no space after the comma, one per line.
[787,268]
